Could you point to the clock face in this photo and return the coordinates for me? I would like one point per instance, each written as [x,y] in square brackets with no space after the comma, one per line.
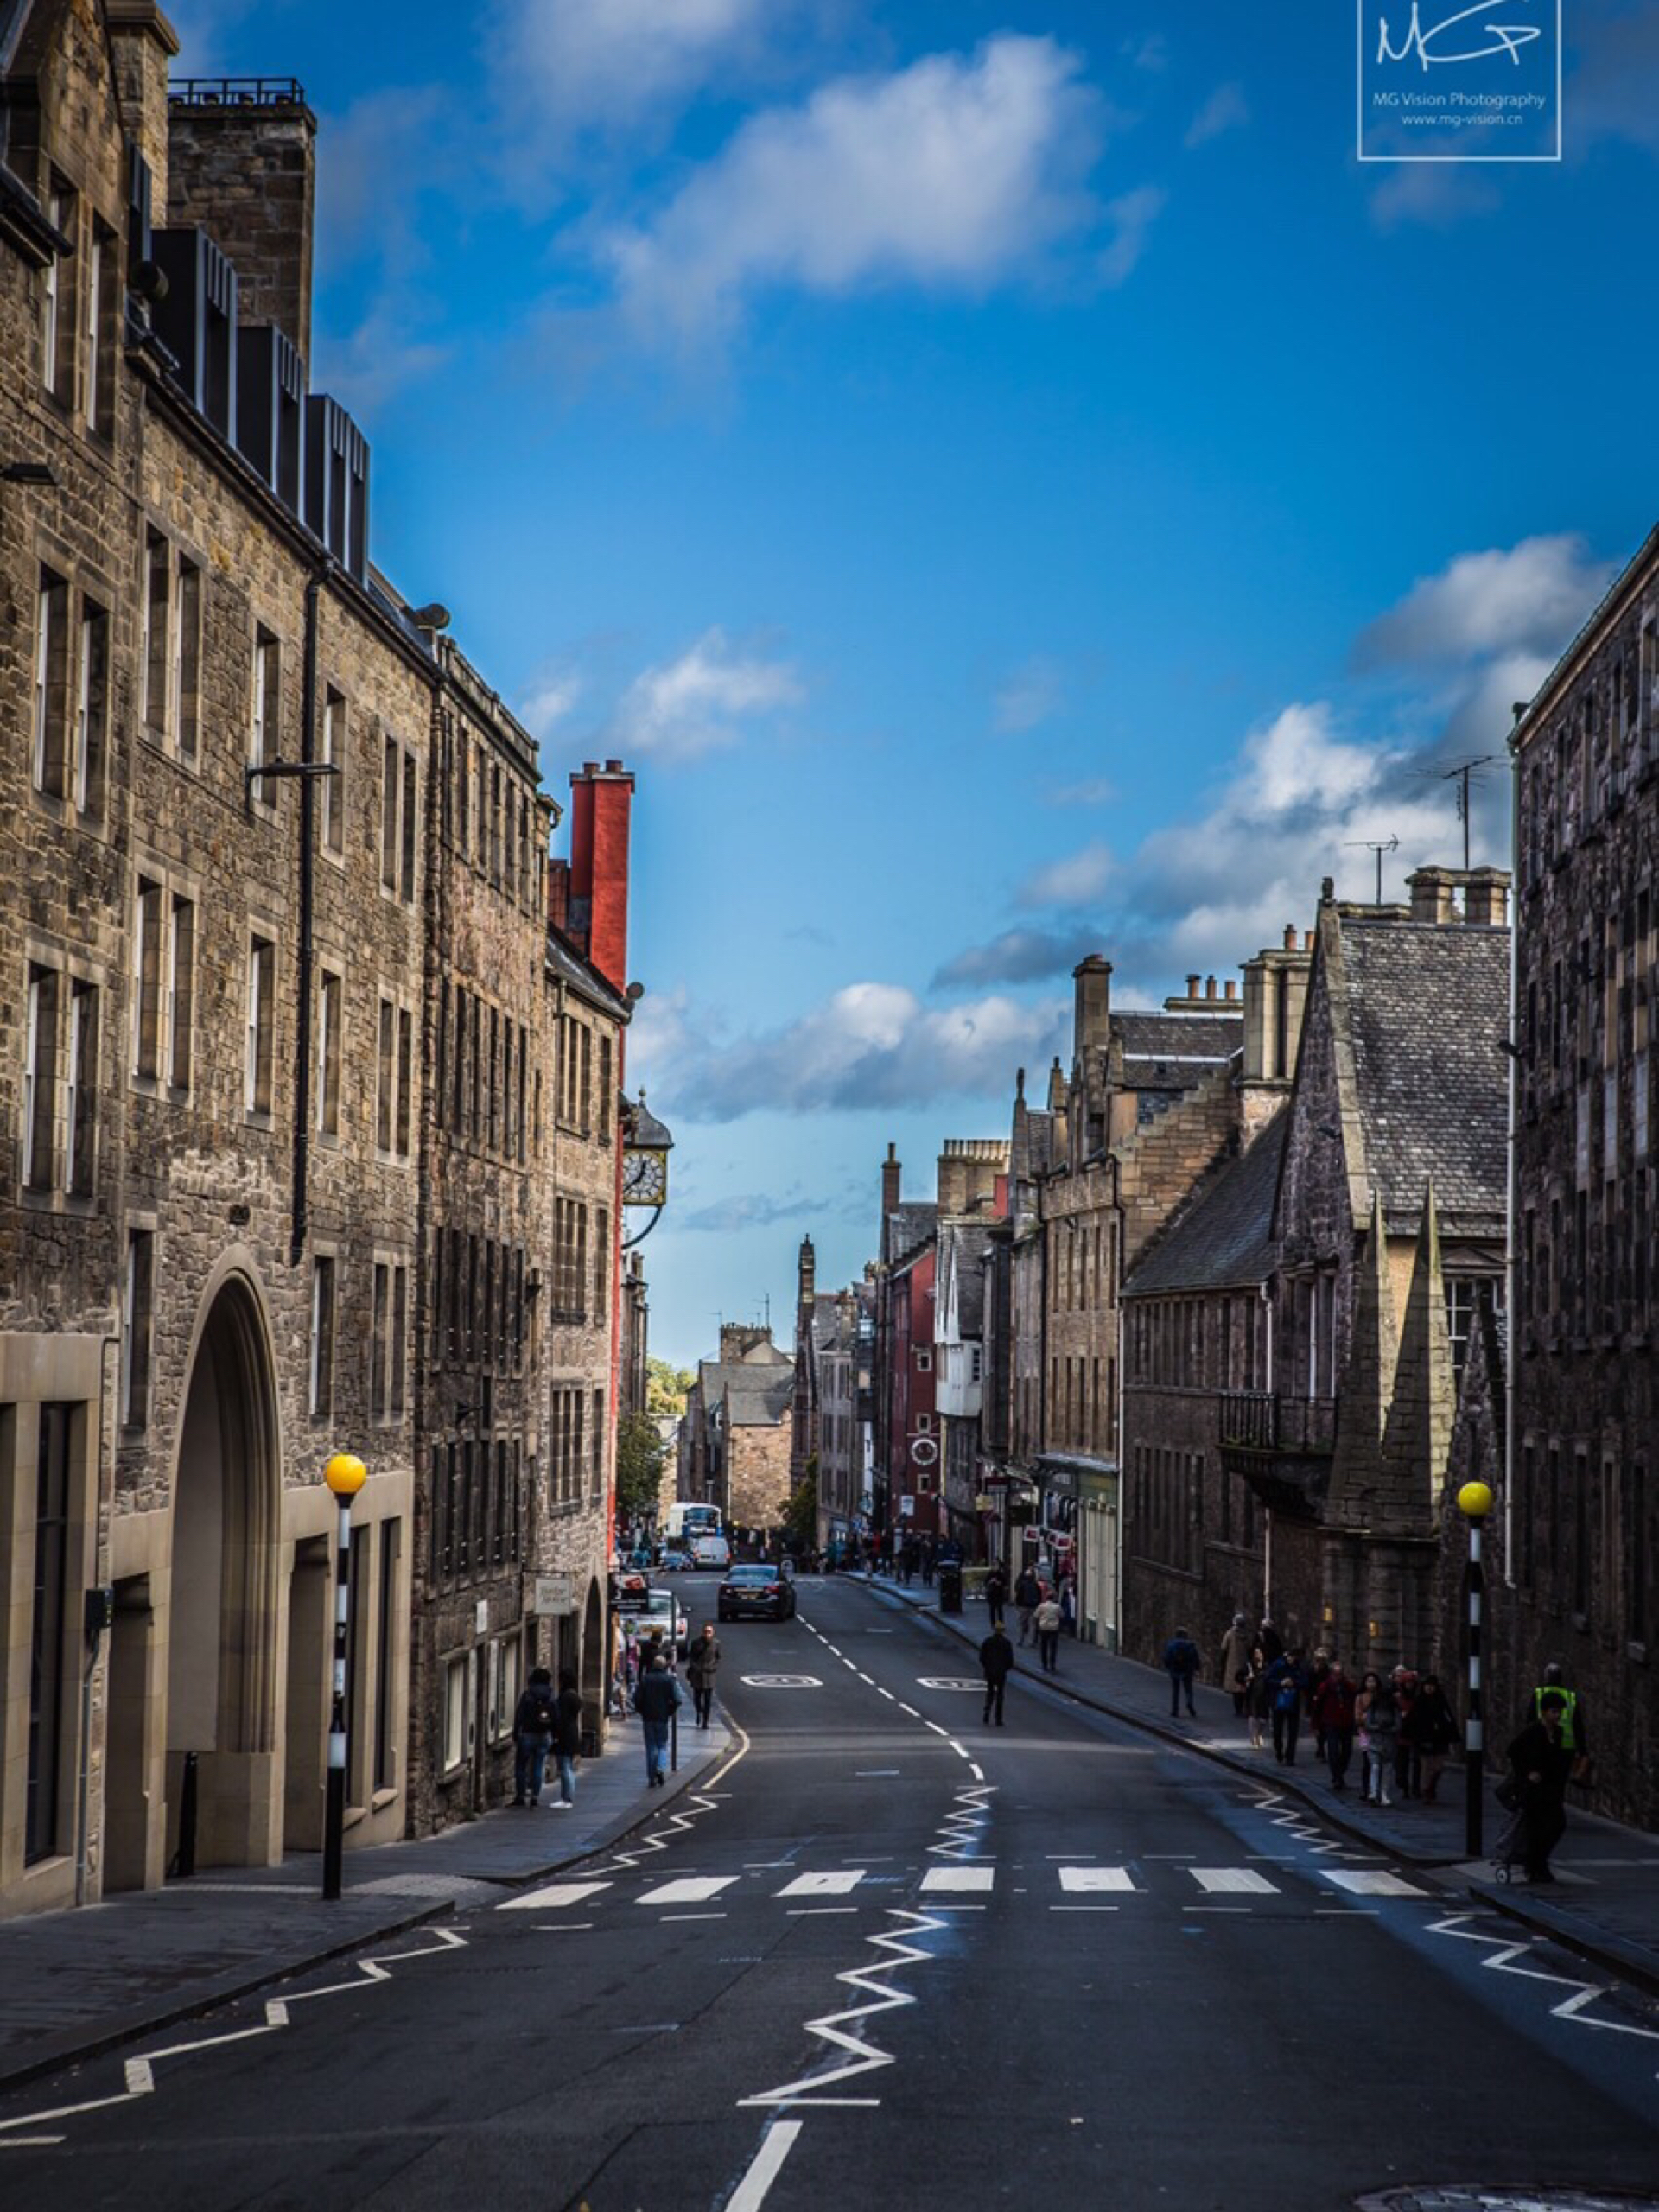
[644,1178]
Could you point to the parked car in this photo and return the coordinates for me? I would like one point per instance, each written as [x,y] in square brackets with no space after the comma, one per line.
[756,1592]
[644,1609]
[677,1562]
[711,1551]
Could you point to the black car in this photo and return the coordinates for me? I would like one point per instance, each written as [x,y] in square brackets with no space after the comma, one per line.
[762,1591]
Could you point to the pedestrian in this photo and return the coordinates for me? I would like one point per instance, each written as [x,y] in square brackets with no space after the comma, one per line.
[1540,1766]
[1046,1622]
[1333,1716]
[1234,1672]
[532,1737]
[1181,1662]
[1316,1675]
[1270,1640]
[909,1560]
[1408,1760]
[1431,1727]
[1287,1683]
[700,1671]
[567,1739]
[996,1664]
[1377,1720]
[997,1594]
[930,1562]
[657,1700]
[1027,1596]
[1575,1722]
[1258,1698]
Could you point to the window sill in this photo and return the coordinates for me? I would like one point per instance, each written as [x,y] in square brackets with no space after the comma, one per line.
[258,1117]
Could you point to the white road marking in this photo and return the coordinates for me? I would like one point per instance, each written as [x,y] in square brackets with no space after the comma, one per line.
[1083,1907]
[689,1889]
[839,1883]
[961,1753]
[958,1878]
[781,1681]
[935,1726]
[667,1916]
[1233,1880]
[775,2146]
[910,1709]
[565,1928]
[557,1894]
[1080,1878]
[1370,1882]
[887,1694]
[820,1911]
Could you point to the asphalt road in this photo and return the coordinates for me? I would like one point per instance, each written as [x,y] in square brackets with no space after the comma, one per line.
[1054,1963]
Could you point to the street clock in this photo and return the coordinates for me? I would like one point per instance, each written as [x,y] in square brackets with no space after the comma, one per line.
[645,1148]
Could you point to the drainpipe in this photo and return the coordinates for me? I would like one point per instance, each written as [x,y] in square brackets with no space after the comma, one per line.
[307,861]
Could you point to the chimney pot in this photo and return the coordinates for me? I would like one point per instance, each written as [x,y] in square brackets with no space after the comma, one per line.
[1290,937]
[1231,988]
[1209,987]
[1191,987]
[1307,938]
[612,767]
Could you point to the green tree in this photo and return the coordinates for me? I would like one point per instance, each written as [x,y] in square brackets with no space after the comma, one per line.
[638,1467]
[666,1387]
[801,1514]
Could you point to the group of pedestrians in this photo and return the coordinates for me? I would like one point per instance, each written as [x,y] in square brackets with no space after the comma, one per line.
[548,1725]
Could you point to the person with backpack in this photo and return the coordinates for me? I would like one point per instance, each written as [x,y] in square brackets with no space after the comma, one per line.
[1286,1685]
[1181,1663]
[1046,1622]
[657,1700]
[1333,1716]
[532,1736]
[1431,1728]
[567,1739]
[1027,1596]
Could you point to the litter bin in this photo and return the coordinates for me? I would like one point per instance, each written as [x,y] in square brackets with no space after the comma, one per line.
[590,1742]
[951,1589]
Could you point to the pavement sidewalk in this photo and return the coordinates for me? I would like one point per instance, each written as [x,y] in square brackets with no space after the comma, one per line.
[78,1983]
[1605,1904]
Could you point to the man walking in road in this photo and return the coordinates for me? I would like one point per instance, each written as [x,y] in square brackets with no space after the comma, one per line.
[700,1671]
[996,1662]
[1181,1664]
[657,1700]
[1027,1596]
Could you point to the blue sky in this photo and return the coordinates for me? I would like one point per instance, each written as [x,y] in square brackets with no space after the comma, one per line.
[1008,479]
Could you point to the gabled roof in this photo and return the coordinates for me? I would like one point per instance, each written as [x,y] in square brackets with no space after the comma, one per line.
[1426,1004]
[909,1226]
[758,1397]
[962,1246]
[1225,1241]
[572,965]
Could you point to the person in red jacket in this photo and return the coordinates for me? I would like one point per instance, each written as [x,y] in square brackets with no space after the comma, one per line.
[1333,1716]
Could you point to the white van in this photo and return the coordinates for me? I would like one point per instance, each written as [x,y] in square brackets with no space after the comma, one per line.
[711,1551]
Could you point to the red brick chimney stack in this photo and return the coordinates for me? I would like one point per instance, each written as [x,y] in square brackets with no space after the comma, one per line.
[601,804]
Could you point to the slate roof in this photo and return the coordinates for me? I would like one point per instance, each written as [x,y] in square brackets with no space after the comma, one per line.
[569,962]
[758,1397]
[969,1245]
[1225,1241]
[1426,1006]
[908,1227]
[1177,1036]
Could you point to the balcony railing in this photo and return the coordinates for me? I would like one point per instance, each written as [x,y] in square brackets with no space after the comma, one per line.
[1257,1420]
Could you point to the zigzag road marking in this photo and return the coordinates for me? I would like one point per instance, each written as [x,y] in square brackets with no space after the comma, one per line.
[835,2028]
[1302,1826]
[140,2073]
[1501,1960]
[960,1829]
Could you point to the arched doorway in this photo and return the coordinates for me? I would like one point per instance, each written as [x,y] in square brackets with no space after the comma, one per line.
[595,1663]
[222,1617]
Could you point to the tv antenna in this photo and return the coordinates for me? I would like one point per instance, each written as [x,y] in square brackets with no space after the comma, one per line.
[1462,773]
[1378,846]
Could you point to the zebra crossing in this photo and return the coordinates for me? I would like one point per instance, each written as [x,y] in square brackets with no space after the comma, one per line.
[978,1881]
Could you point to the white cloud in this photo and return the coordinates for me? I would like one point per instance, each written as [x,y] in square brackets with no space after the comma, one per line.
[551,697]
[1226,108]
[1531,597]
[584,66]
[1438,193]
[1033,693]
[1150,52]
[699,702]
[366,367]
[1076,880]
[749,1210]
[871,1044]
[1093,790]
[954,173]
[1015,956]
[1131,217]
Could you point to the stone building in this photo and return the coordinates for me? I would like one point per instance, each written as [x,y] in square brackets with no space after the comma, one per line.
[211,1179]
[1387,1242]
[1579,1521]
[959,1352]
[844,1330]
[739,1419]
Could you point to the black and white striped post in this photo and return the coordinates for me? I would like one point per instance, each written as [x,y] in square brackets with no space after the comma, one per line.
[1474,1502]
[344,1475]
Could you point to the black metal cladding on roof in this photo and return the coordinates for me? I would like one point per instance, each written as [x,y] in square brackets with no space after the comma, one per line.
[271,408]
[196,322]
[337,484]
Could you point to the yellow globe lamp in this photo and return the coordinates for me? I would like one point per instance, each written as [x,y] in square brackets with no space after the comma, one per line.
[1476,1501]
[346,1475]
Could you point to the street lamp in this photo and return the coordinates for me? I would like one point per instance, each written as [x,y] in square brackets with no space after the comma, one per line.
[344,1475]
[1475,1502]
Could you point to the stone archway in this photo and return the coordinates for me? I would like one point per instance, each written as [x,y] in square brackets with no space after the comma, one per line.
[222,1628]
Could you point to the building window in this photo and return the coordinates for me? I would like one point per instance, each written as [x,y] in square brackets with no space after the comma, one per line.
[323,1337]
[91,707]
[400,1339]
[457,1709]
[147,981]
[405,1076]
[47,1684]
[924,1359]
[596,1489]
[261,1024]
[384,1764]
[1639,1562]
[41,1081]
[398,822]
[264,735]
[181,993]
[57,303]
[409,827]
[604,1090]
[51,646]
[99,282]
[379,1346]
[80,1099]
[157,605]
[333,787]
[330,996]
[601,1266]
[136,1311]
[186,660]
